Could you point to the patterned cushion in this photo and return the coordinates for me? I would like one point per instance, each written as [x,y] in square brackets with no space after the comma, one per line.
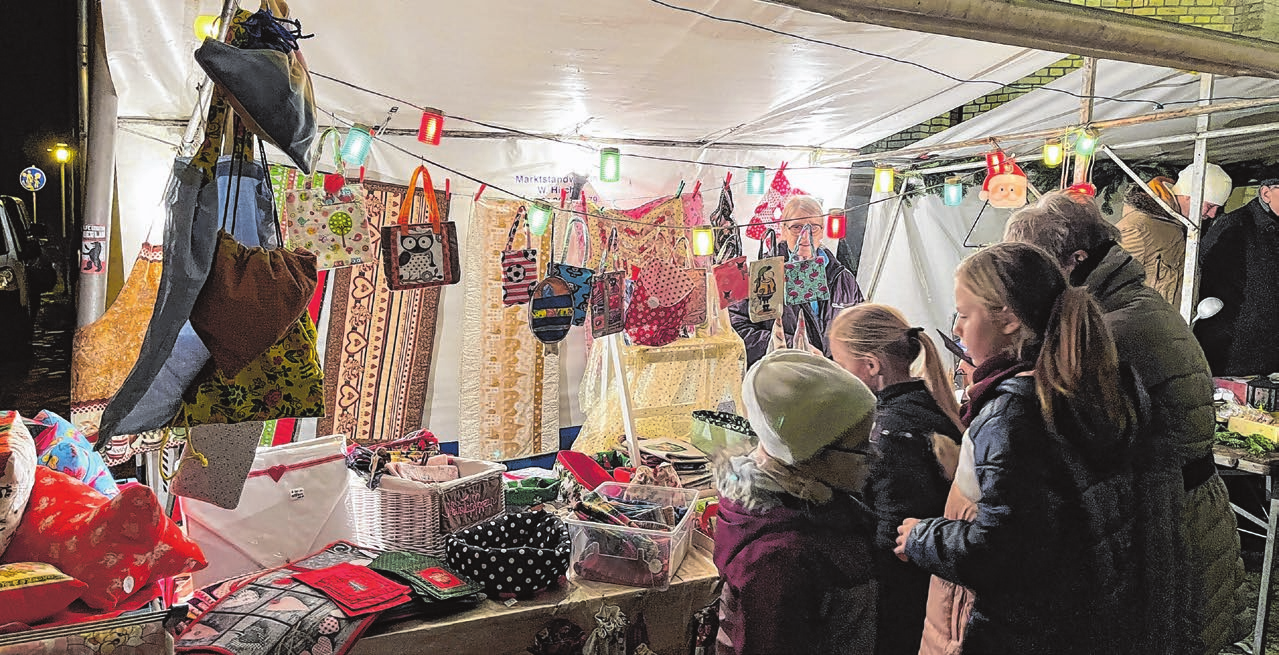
[33,591]
[17,473]
[115,546]
[63,448]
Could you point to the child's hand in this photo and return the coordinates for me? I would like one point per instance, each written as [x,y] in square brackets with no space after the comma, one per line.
[903,533]
[779,336]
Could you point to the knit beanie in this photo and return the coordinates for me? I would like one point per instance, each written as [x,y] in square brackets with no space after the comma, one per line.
[1217,185]
[799,403]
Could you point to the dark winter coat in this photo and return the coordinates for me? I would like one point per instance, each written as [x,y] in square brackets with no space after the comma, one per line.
[1152,337]
[844,293]
[1240,265]
[906,480]
[1048,555]
[797,576]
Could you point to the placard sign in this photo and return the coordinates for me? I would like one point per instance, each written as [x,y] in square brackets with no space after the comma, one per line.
[468,504]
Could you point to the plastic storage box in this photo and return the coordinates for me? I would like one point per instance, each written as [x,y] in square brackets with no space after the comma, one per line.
[632,556]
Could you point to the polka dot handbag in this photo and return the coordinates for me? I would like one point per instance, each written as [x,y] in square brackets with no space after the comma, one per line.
[513,554]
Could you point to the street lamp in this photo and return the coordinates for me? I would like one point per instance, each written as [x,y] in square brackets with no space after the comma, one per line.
[62,154]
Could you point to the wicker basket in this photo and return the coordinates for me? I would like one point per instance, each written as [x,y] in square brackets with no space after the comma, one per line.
[412,516]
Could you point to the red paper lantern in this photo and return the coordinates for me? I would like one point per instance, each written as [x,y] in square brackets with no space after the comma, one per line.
[432,127]
[836,224]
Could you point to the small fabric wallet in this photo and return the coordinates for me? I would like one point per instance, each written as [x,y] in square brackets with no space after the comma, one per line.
[357,590]
[430,577]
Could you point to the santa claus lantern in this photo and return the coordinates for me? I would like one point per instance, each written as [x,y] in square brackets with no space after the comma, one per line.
[1005,185]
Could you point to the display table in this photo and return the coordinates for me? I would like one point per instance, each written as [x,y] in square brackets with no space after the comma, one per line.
[495,629]
[1233,461]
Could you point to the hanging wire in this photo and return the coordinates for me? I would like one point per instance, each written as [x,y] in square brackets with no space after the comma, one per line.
[600,215]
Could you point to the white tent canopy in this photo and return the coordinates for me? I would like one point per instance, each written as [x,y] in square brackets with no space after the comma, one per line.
[928,226]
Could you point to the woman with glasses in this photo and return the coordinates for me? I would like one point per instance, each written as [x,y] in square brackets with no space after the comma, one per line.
[801,231]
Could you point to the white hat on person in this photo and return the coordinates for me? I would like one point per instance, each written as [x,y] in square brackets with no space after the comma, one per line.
[799,403]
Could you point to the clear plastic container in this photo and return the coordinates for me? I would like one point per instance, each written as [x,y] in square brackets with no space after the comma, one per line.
[632,556]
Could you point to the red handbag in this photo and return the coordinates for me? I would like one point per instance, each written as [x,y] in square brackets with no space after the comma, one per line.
[659,305]
[519,267]
[419,255]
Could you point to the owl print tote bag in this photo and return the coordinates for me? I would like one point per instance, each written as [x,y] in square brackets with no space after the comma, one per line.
[420,255]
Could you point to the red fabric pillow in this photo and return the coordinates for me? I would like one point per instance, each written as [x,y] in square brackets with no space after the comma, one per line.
[33,591]
[114,546]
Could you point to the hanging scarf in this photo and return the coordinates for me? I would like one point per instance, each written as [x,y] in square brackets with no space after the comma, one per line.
[986,378]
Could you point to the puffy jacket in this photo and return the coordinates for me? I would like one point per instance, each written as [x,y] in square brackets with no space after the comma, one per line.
[1048,555]
[906,480]
[1154,340]
[844,293]
[1156,240]
[797,576]
[1240,258]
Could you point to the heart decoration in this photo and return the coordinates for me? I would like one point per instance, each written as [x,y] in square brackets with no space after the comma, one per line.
[286,604]
[276,472]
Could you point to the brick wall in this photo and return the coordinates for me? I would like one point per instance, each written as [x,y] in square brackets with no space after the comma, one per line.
[1256,18]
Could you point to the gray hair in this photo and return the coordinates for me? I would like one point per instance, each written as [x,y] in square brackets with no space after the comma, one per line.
[1061,223]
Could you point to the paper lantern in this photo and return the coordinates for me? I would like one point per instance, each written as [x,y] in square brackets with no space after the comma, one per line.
[1054,153]
[539,218]
[953,192]
[355,150]
[884,178]
[207,27]
[703,241]
[1086,143]
[610,165]
[836,224]
[755,180]
[432,127]
[996,161]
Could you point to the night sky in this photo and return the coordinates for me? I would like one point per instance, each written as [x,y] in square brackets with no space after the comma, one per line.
[38,105]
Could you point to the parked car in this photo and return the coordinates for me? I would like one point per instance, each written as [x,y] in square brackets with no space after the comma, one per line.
[25,273]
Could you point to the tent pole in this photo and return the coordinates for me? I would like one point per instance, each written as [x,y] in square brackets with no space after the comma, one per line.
[1188,112]
[624,390]
[888,243]
[1087,90]
[1146,187]
[187,148]
[1190,278]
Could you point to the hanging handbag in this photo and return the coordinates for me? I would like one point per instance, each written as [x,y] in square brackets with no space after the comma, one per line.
[266,80]
[767,282]
[330,221]
[578,277]
[420,255]
[285,381]
[217,462]
[659,304]
[728,241]
[550,311]
[608,315]
[696,315]
[806,278]
[519,267]
[771,205]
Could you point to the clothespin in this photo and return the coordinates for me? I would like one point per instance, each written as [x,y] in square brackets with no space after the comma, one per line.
[563,197]
[480,191]
[680,191]
[361,175]
[728,178]
[448,191]
[697,187]
[782,167]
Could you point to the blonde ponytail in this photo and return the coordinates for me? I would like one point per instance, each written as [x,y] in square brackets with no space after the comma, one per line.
[1078,366]
[882,331]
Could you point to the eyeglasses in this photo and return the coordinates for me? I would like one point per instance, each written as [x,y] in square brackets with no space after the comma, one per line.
[797,229]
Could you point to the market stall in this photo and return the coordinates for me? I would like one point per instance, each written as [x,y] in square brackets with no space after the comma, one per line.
[476,246]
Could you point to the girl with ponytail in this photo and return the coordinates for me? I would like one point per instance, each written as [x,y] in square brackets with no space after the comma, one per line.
[1034,553]
[915,446]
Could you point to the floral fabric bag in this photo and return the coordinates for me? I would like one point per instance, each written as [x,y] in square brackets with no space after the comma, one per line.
[330,221]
